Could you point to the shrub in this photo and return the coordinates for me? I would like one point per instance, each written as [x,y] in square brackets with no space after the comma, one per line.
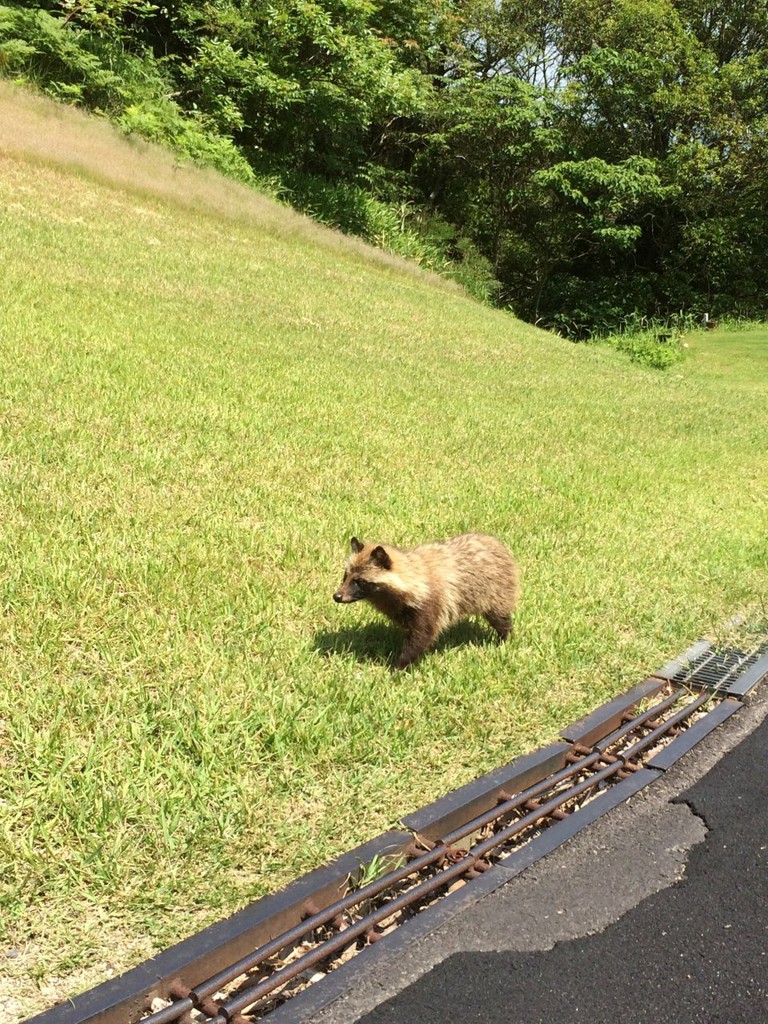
[161,121]
[36,48]
[657,343]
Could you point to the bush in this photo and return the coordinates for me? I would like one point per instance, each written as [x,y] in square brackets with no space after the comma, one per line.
[648,349]
[657,343]
[161,121]
[36,48]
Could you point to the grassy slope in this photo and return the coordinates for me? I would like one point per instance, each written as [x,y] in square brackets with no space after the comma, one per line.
[196,410]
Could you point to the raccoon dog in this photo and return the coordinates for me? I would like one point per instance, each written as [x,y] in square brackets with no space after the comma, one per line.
[428,588]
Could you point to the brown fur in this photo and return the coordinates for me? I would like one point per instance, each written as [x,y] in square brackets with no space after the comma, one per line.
[430,587]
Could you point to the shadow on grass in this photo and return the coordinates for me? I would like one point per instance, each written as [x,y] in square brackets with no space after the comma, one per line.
[381,643]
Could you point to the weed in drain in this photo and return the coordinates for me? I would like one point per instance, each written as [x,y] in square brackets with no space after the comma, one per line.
[372,871]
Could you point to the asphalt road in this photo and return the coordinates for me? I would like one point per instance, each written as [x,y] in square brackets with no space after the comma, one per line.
[656,913]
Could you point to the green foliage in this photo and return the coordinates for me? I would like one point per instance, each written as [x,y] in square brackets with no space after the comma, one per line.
[571,161]
[107,17]
[84,67]
[162,122]
[657,343]
[600,201]
[648,349]
[303,82]
[740,324]
[35,47]
[372,871]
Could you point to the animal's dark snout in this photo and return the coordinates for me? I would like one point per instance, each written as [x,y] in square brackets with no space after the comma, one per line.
[338,597]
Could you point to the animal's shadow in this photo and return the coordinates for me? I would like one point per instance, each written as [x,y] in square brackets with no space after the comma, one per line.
[382,643]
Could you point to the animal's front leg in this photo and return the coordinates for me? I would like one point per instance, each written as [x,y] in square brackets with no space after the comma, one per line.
[420,635]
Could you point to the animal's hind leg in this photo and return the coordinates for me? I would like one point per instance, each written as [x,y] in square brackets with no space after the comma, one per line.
[502,623]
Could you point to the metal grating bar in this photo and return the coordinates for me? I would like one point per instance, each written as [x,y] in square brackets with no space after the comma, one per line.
[748,680]
[723,670]
[687,740]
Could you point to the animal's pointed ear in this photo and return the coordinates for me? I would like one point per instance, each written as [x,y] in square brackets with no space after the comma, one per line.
[356,545]
[380,557]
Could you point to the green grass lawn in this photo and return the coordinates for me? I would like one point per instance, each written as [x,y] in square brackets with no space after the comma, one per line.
[198,407]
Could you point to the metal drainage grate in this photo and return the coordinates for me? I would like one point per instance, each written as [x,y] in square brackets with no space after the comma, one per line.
[323,921]
[259,981]
[726,670]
